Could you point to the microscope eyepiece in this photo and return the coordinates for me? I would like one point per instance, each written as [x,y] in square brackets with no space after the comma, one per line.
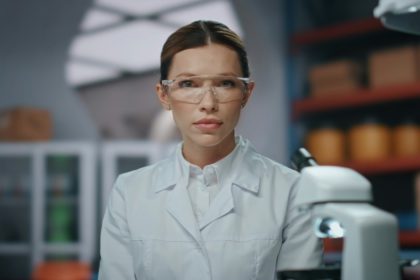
[301,158]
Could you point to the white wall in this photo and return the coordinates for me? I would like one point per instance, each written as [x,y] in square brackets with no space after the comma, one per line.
[123,109]
[35,37]
[265,119]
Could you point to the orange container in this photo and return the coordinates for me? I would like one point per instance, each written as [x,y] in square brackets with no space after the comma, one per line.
[369,141]
[62,270]
[327,145]
[406,140]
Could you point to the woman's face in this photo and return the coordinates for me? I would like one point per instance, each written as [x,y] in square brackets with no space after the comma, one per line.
[207,123]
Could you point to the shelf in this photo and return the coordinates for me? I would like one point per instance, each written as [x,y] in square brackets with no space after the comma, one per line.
[14,248]
[64,248]
[409,238]
[338,31]
[394,104]
[65,199]
[15,202]
[405,164]
[353,99]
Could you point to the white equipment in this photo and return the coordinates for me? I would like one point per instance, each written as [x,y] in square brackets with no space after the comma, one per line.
[339,200]
[400,15]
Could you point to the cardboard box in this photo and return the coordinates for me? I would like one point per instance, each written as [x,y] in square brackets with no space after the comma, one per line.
[336,70]
[394,66]
[335,88]
[25,124]
[335,78]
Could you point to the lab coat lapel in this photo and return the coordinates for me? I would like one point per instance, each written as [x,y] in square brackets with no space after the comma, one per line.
[170,179]
[179,206]
[221,206]
[246,170]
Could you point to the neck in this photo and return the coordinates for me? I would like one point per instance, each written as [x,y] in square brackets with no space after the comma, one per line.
[202,156]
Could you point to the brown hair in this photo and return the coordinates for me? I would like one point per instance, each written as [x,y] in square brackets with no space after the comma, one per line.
[197,34]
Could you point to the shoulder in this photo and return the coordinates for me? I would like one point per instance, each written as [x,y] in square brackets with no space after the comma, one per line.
[144,177]
[278,168]
[266,165]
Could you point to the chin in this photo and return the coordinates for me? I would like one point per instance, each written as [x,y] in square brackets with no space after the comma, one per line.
[208,140]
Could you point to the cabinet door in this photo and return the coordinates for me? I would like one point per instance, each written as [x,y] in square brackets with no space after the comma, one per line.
[47,205]
[16,190]
[61,192]
[68,203]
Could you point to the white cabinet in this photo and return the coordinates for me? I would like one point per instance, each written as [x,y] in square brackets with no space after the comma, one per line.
[47,204]
[120,157]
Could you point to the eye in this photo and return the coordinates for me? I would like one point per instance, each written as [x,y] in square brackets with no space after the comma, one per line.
[187,83]
[228,83]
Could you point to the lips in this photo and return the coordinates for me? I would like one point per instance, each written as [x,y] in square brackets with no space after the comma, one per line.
[208,124]
[208,121]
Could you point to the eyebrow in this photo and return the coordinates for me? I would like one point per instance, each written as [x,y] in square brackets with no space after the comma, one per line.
[188,74]
[185,74]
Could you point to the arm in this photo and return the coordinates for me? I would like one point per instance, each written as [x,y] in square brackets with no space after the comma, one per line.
[116,258]
[301,248]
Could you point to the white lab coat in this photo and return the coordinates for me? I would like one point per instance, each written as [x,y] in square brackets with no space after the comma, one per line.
[251,229]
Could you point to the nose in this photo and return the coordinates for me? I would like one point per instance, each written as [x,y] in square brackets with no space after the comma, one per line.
[209,102]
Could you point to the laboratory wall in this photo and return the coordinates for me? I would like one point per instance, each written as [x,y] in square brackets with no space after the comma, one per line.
[35,37]
[123,108]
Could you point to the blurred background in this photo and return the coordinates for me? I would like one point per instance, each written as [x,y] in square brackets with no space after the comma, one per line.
[77,107]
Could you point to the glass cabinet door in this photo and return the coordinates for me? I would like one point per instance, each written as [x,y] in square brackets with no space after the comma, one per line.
[61,227]
[47,205]
[15,216]
[129,163]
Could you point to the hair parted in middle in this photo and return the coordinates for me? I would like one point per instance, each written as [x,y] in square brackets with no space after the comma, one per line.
[197,34]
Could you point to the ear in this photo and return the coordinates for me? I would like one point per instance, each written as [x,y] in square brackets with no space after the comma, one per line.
[247,95]
[163,96]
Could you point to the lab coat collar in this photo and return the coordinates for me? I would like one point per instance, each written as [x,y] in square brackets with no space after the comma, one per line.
[247,168]
[215,173]
[169,172]
[246,171]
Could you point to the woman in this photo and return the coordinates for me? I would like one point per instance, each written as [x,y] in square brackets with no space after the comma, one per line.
[216,209]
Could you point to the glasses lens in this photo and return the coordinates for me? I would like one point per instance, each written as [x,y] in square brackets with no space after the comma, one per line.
[193,89]
[228,88]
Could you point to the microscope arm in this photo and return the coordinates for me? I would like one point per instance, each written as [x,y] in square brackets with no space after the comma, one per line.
[370,244]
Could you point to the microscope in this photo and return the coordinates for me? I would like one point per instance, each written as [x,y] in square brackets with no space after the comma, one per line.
[339,201]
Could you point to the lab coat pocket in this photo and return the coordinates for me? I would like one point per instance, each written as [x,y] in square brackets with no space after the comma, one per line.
[167,259]
[244,259]
[233,260]
[141,259]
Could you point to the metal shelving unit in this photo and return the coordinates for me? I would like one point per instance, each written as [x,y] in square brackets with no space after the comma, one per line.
[353,38]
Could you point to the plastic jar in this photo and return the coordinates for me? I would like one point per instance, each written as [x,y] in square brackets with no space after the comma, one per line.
[369,141]
[406,139]
[327,145]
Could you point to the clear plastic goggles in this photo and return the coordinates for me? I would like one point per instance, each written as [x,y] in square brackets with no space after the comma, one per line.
[193,88]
